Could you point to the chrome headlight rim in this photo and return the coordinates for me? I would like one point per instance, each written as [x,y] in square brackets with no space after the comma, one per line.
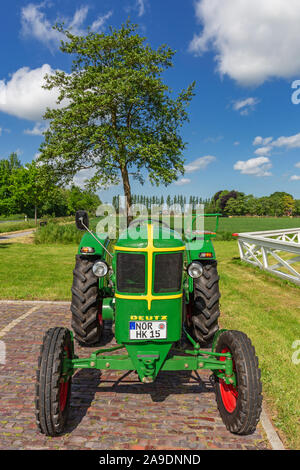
[97,266]
[195,269]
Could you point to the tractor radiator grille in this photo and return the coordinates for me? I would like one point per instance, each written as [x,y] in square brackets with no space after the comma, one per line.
[168,272]
[131,273]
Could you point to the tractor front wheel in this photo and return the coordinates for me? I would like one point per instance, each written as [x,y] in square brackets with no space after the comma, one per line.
[239,406]
[53,389]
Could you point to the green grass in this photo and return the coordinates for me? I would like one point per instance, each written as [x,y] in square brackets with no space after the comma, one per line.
[264,307]
[15,226]
[12,217]
[227,225]
[34,272]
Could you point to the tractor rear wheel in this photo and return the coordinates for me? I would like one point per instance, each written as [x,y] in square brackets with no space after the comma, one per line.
[239,406]
[53,390]
[205,309]
[86,306]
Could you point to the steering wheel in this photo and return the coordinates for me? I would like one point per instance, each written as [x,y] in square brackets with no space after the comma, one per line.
[143,221]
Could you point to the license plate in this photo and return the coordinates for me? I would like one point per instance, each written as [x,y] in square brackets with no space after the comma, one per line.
[148,330]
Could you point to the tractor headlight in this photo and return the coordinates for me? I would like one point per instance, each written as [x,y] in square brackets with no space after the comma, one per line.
[195,270]
[100,269]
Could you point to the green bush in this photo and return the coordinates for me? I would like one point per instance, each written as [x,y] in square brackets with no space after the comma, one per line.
[224,236]
[58,234]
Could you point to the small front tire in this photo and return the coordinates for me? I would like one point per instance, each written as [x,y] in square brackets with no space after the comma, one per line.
[53,390]
[240,407]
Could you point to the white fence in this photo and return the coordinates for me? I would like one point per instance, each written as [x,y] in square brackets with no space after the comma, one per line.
[274,251]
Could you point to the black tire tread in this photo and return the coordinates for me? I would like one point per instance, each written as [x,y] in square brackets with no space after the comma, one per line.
[206,310]
[244,419]
[50,421]
[85,302]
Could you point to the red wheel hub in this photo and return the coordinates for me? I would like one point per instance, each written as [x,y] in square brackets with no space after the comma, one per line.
[229,393]
[64,389]
[100,316]
[63,395]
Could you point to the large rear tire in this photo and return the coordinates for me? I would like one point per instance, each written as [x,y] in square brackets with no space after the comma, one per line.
[53,390]
[239,406]
[205,309]
[86,306]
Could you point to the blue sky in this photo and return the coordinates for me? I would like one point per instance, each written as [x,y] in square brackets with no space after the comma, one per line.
[244,129]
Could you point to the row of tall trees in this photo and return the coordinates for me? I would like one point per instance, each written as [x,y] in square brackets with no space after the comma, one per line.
[25,190]
[149,201]
[227,203]
[236,203]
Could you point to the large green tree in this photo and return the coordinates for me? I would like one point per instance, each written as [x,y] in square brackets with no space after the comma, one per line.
[8,167]
[118,117]
[29,189]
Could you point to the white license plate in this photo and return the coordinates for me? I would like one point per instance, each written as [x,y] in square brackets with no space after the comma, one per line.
[148,329]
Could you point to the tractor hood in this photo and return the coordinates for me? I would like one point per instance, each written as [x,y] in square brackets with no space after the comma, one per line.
[142,236]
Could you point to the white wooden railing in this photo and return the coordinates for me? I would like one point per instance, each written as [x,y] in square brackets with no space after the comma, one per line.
[274,251]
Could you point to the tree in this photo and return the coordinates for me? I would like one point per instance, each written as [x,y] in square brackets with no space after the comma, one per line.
[82,199]
[118,116]
[29,189]
[289,204]
[8,167]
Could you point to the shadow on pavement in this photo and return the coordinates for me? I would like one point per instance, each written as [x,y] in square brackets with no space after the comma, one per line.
[86,383]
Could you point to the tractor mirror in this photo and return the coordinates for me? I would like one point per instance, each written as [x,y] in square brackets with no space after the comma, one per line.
[82,220]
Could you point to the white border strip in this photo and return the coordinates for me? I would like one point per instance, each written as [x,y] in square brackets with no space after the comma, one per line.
[15,322]
[270,431]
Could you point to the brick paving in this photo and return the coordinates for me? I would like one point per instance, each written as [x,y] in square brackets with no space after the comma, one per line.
[109,409]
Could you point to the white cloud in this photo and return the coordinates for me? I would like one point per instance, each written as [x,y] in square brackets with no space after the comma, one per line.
[82,176]
[99,23]
[297,165]
[260,141]
[182,181]
[140,4]
[263,151]
[213,140]
[268,144]
[295,178]
[254,166]
[23,95]
[35,24]
[38,129]
[199,164]
[236,143]
[253,40]
[290,142]
[245,106]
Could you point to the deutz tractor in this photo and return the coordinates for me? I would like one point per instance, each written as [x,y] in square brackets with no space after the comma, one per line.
[160,291]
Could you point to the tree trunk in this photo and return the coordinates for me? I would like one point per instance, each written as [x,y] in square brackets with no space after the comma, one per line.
[35,215]
[127,192]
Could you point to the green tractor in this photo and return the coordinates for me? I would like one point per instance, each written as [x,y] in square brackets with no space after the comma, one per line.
[161,292]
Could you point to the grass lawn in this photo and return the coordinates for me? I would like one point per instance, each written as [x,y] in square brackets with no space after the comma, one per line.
[15,226]
[254,224]
[36,272]
[264,307]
